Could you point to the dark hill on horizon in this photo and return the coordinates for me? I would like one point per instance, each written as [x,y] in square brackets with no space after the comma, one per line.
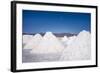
[56,34]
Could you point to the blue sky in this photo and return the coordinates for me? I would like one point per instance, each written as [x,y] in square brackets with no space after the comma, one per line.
[56,22]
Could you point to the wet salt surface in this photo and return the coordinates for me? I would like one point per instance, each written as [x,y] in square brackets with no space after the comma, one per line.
[29,57]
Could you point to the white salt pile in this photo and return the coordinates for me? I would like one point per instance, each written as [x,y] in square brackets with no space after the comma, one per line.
[26,38]
[49,44]
[79,48]
[33,42]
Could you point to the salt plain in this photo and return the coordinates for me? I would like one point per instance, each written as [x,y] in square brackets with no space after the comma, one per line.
[45,48]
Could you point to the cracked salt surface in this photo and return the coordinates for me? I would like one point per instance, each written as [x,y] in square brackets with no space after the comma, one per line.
[50,48]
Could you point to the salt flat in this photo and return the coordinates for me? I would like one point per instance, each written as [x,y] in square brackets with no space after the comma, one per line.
[29,57]
[51,48]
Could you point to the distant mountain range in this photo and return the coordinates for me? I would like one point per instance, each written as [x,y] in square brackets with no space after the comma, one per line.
[56,34]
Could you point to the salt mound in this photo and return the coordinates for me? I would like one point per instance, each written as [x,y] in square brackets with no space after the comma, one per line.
[65,39]
[26,38]
[33,43]
[79,48]
[71,39]
[49,44]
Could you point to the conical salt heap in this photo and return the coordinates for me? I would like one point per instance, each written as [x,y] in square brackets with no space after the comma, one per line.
[49,44]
